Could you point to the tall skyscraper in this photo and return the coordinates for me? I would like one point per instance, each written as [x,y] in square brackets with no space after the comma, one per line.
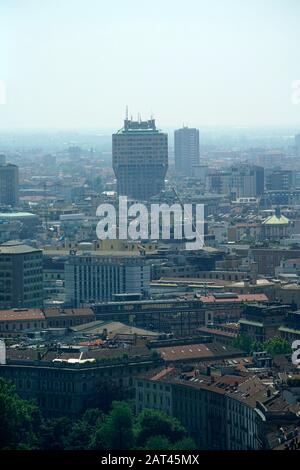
[186,142]
[9,183]
[297,143]
[140,159]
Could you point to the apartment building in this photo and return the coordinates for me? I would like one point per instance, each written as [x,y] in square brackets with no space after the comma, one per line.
[21,276]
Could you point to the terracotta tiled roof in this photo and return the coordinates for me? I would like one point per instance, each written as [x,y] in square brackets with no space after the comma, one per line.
[21,314]
[56,312]
[238,298]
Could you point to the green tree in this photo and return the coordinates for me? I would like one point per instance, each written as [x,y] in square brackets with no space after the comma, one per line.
[157,443]
[277,345]
[54,433]
[257,346]
[81,435]
[154,423]
[187,443]
[273,346]
[18,419]
[116,432]
[163,443]
[98,439]
[243,342]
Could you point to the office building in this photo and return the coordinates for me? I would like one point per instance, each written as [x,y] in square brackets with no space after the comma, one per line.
[218,181]
[21,276]
[260,322]
[9,183]
[177,316]
[279,180]
[140,159]
[186,144]
[95,277]
[247,180]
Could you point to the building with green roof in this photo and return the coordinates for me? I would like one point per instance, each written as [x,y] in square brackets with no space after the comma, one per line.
[276,226]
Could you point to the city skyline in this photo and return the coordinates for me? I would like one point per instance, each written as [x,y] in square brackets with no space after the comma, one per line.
[149,230]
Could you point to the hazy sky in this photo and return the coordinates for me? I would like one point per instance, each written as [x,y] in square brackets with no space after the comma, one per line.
[77,63]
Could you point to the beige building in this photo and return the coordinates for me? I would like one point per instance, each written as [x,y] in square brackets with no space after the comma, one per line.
[15,322]
[221,412]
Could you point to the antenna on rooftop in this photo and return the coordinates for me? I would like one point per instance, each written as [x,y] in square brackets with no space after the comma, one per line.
[126,112]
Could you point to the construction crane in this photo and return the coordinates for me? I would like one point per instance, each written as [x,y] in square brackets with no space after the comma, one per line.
[190,216]
[193,225]
[142,249]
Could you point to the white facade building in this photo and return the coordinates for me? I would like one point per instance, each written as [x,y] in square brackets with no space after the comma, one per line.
[94,277]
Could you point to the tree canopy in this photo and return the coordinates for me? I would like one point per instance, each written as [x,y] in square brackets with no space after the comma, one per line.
[273,346]
[23,427]
[19,419]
